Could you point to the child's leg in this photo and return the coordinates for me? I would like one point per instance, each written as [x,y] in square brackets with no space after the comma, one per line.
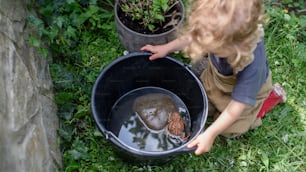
[244,123]
[276,96]
[248,119]
[211,109]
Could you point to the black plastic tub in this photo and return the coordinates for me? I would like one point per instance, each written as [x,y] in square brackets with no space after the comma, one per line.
[135,71]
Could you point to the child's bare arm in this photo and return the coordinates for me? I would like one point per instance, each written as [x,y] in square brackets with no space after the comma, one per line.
[160,51]
[205,140]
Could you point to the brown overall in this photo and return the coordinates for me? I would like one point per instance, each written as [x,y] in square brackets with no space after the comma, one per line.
[219,89]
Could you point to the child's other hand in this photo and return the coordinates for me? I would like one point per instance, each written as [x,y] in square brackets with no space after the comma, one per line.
[158,51]
[203,142]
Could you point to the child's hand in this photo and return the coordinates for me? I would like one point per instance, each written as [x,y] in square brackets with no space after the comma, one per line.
[203,142]
[159,51]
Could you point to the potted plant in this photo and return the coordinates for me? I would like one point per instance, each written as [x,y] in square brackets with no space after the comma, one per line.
[141,22]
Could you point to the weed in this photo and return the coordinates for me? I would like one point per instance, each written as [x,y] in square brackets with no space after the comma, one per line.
[60,23]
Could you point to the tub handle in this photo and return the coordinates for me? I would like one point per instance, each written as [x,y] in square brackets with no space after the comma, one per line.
[112,137]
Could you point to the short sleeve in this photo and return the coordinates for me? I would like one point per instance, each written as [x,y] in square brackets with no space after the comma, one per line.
[252,77]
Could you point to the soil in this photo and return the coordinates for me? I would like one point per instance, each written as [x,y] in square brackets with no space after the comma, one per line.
[137,27]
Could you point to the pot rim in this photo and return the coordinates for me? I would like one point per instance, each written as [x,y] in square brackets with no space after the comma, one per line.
[150,35]
[114,139]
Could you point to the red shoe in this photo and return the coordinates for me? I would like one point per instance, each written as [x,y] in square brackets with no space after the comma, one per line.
[277,96]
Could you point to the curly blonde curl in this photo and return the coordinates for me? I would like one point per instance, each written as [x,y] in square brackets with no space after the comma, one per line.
[227,28]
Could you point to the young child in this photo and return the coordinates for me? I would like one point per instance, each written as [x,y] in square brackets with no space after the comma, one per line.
[237,80]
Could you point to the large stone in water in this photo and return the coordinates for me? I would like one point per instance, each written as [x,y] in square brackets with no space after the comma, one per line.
[153,110]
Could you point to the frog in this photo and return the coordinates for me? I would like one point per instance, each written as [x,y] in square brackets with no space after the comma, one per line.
[176,126]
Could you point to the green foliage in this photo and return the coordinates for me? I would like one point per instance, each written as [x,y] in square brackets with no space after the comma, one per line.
[147,13]
[60,23]
[293,3]
[83,39]
[285,37]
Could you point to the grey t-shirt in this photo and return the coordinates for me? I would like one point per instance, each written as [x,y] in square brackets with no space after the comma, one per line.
[250,79]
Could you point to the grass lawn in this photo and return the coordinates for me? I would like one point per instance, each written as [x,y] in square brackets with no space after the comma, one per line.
[83,40]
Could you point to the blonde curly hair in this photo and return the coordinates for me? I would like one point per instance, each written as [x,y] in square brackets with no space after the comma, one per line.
[227,28]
